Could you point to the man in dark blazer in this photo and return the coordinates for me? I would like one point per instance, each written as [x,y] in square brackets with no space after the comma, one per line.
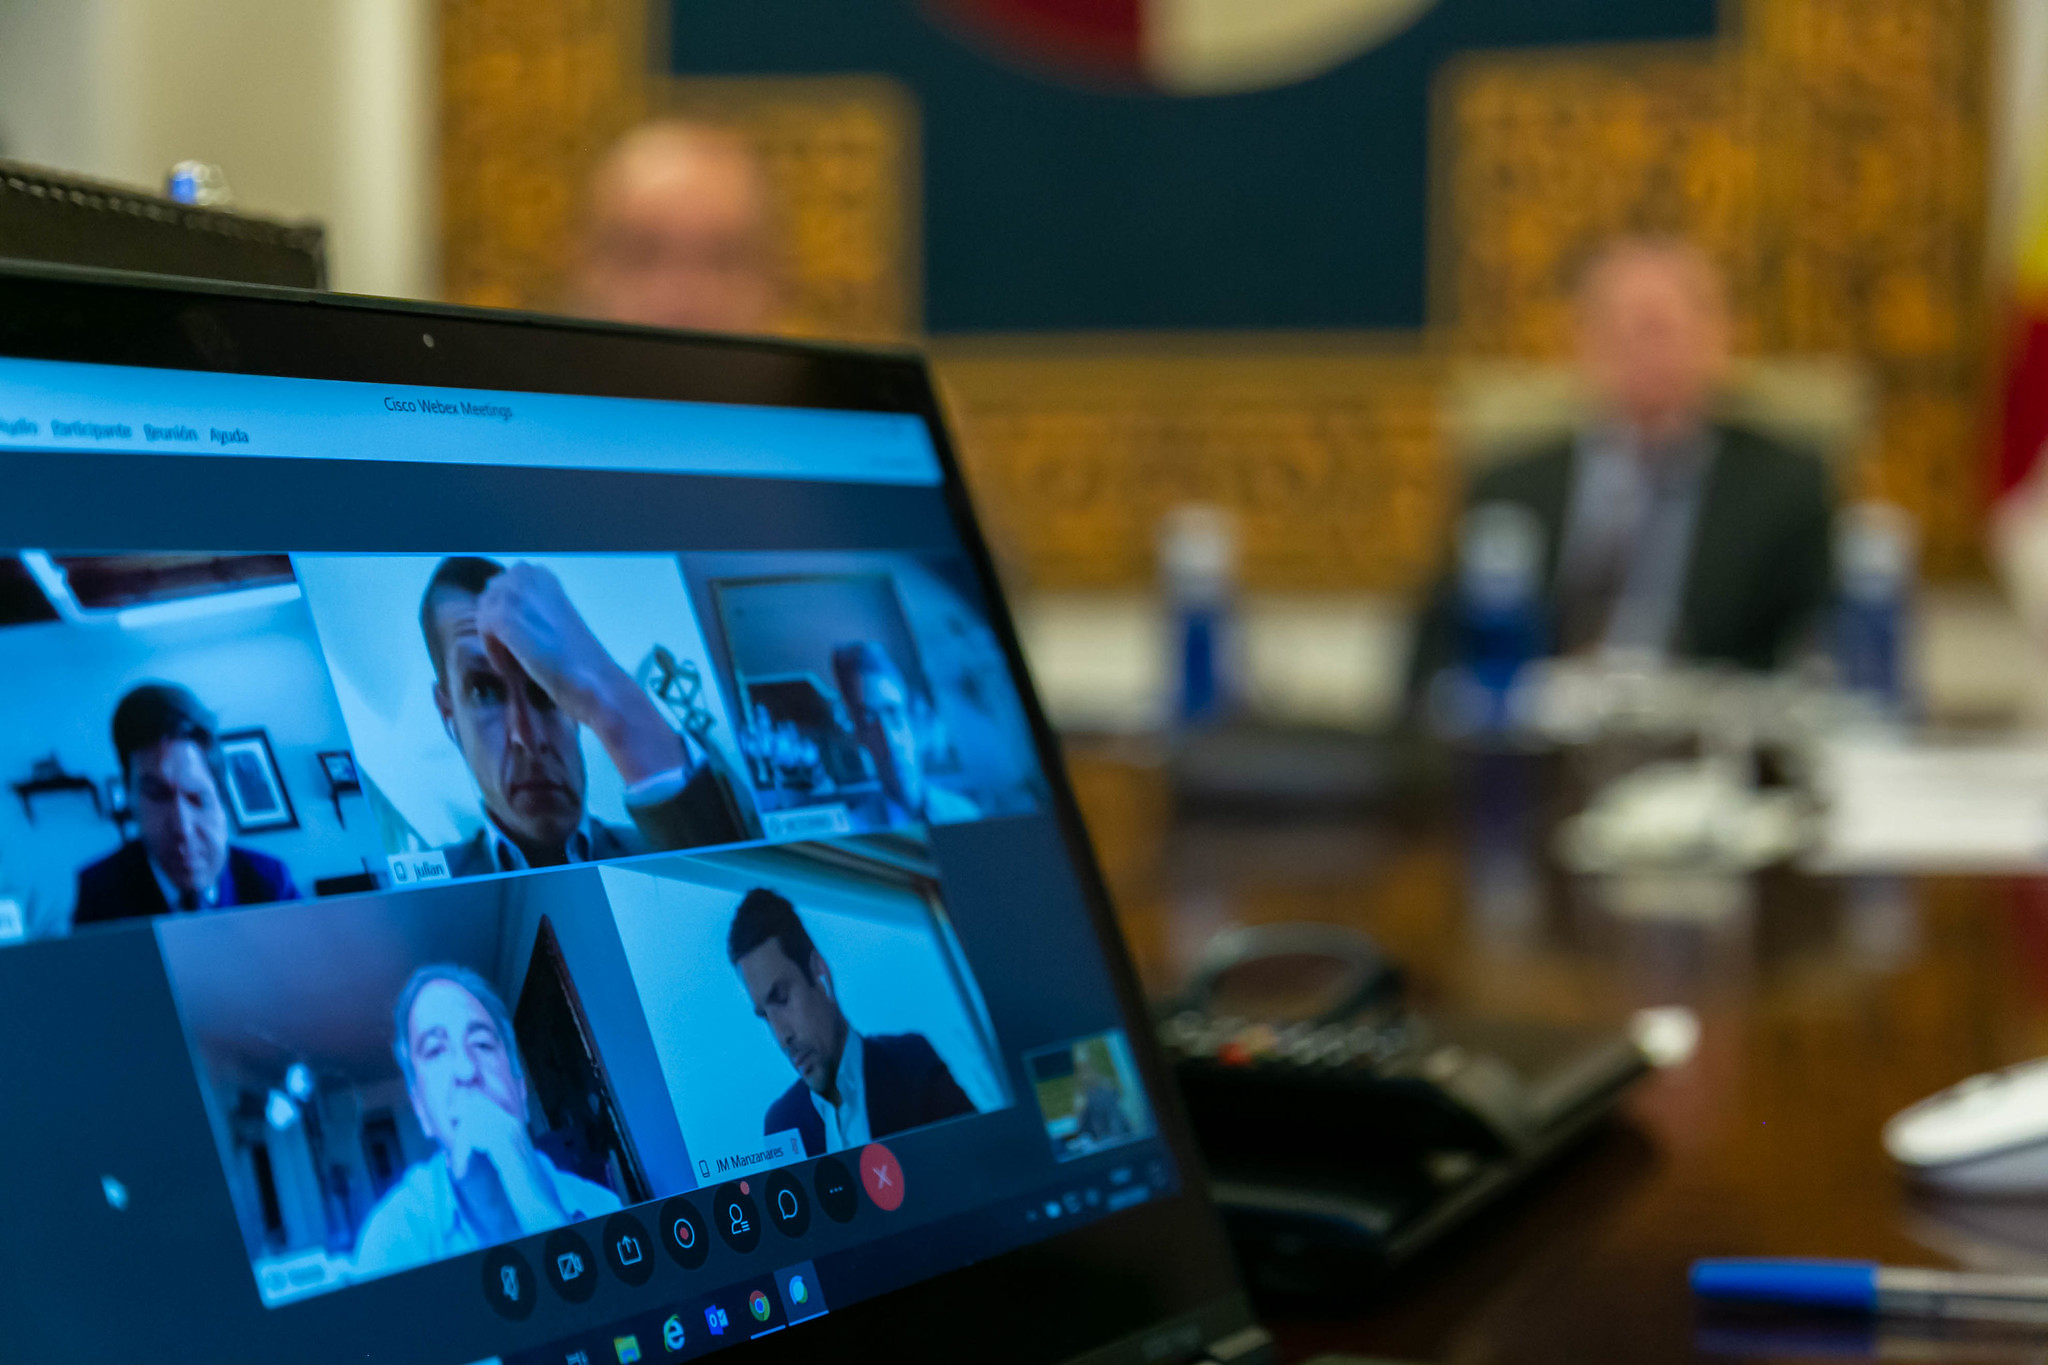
[181,859]
[852,1088]
[518,675]
[1658,531]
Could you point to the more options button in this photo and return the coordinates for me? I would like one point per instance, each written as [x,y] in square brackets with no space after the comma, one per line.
[837,1194]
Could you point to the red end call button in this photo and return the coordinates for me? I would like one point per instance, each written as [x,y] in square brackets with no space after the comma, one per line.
[881,1176]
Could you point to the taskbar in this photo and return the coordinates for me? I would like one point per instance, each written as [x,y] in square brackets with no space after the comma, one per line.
[764,1304]
[759,1306]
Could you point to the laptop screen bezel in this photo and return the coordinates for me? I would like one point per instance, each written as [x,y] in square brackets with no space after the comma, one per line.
[1155,1282]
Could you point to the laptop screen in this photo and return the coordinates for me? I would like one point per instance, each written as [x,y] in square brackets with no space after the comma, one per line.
[520,876]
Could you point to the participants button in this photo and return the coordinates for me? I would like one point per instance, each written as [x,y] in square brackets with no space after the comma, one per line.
[509,1283]
[882,1177]
[570,1266]
[682,1232]
[836,1192]
[628,1249]
[737,1219]
[789,1204]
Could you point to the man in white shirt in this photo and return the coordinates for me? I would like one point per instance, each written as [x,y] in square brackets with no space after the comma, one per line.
[851,1090]
[486,1184]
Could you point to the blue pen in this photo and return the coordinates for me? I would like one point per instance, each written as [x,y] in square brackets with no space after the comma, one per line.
[1866,1287]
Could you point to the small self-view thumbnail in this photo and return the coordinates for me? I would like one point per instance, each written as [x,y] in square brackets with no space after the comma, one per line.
[871,693]
[395,1080]
[1089,1094]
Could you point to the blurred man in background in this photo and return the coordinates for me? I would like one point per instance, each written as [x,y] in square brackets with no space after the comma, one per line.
[1663,534]
[680,232]
[169,747]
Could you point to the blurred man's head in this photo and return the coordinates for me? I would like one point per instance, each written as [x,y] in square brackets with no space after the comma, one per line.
[791,986]
[883,710]
[170,760]
[524,751]
[455,1045]
[1653,331]
[679,232]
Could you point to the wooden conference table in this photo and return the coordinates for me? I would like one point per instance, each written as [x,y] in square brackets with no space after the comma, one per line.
[1825,1005]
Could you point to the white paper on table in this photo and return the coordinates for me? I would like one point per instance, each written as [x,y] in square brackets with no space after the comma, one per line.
[1931,808]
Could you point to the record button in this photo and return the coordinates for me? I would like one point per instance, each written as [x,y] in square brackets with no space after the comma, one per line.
[683,1233]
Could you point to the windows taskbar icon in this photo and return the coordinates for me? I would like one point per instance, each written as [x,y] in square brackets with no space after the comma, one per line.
[801,1297]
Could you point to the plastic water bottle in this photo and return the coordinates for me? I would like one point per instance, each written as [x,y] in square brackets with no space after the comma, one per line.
[1501,627]
[198,183]
[1198,566]
[1876,565]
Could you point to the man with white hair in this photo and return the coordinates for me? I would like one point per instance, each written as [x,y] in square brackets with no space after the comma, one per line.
[485,1183]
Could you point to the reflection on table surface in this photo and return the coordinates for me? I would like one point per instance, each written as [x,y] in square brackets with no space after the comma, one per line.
[1826,1005]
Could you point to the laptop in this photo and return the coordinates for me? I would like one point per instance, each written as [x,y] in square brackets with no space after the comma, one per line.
[532,842]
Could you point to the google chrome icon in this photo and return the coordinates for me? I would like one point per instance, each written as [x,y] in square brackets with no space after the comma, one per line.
[757,1304]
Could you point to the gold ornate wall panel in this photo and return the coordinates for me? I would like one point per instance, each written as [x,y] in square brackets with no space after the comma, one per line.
[1874,220]
[531,94]
[842,157]
[1541,159]
[1831,156]
[1830,152]
[1328,450]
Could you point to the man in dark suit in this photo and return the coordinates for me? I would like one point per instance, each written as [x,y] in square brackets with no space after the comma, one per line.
[852,1089]
[171,763]
[1658,532]
[517,676]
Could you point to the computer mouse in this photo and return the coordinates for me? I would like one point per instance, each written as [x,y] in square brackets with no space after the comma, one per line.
[1986,1135]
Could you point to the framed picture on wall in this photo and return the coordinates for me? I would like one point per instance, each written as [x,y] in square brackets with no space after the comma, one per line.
[255,788]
